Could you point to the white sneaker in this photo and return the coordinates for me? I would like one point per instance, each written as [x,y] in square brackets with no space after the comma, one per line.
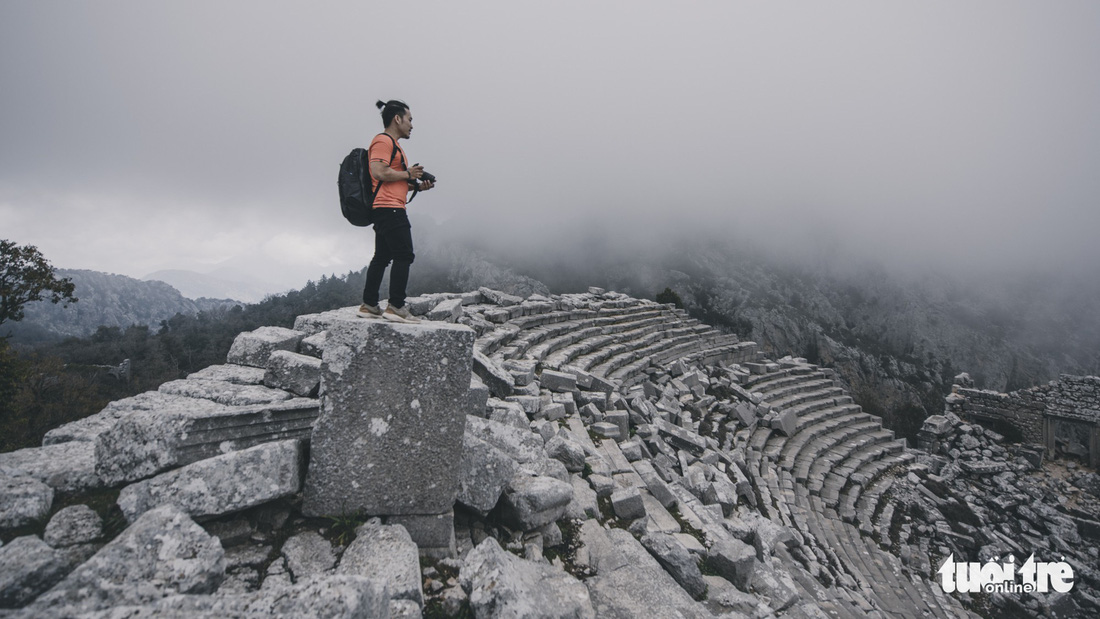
[369,311]
[400,314]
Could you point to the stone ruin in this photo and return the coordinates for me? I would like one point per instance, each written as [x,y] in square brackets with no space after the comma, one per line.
[581,455]
[1063,416]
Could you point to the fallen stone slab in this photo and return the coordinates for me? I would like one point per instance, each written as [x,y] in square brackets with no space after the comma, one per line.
[786,422]
[147,442]
[386,553]
[521,445]
[629,582]
[496,378]
[64,467]
[230,394]
[253,348]
[500,584]
[449,310]
[76,524]
[530,502]
[559,382]
[584,504]
[479,397]
[567,451]
[770,581]
[677,561]
[221,485]
[314,345]
[89,428]
[163,553]
[312,324]
[653,482]
[434,534]
[23,500]
[483,473]
[627,503]
[28,566]
[298,374]
[733,560]
[391,425]
[308,554]
[331,597]
[499,298]
[230,373]
[681,438]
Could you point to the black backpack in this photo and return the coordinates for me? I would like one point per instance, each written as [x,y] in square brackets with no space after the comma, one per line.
[356,186]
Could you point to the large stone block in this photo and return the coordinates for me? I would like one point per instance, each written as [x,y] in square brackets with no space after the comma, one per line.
[186,430]
[28,566]
[221,485]
[434,534]
[161,554]
[501,584]
[222,392]
[23,500]
[254,347]
[289,371]
[497,379]
[68,467]
[530,502]
[387,553]
[392,418]
[483,474]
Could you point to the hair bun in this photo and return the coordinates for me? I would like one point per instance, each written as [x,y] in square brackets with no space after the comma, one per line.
[380,104]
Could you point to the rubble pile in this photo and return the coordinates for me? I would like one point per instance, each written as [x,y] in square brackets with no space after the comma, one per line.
[617,459]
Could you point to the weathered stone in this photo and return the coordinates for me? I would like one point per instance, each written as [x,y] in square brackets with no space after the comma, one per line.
[298,374]
[312,324]
[163,553]
[331,597]
[629,582]
[498,380]
[772,582]
[479,397]
[230,394]
[245,556]
[566,451]
[499,298]
[522,371]
[483,473]
[386,553]
[186,430]
[434,534]
[531,502]
[393,414]
[627,503]
[308,554]
[733,560]
[677,561]
[654,483]
[68,467]
[23,500]
[221,485]
[449,310]
[559,382]
[240,529]
[76,524]
[230,373]
[254,347]
[727,597]
[314,345]
[606,429]
[28,566]
[500,584]
[786,422]
[620,419]
[521,445]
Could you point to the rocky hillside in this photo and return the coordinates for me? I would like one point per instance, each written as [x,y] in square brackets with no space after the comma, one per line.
[110,300]
[619,459]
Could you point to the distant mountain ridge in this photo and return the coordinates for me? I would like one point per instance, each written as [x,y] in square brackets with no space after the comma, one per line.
[107,299]
[195,285]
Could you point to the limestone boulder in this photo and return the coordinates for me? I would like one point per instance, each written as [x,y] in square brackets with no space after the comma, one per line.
[222,392]
[68,467]
[293,372]
[567,451]
[23,500]
[483,474]
[28,566]
[521,445]
[500,584]
[677,561]
[387,553]
[253,348]
[308,554]
[530,502]
[161,554]
[221,485]
[76,524]
[733,560]
[230,373]
[449,310]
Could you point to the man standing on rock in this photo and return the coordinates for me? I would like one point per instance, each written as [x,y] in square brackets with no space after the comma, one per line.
[392,231]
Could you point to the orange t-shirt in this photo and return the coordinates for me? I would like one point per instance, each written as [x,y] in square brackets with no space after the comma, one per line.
[393,193]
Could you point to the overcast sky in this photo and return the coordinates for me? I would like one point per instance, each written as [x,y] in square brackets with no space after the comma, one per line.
[137,136]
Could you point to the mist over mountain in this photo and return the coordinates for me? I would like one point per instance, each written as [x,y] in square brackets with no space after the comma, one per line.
[106,299]
[195,285]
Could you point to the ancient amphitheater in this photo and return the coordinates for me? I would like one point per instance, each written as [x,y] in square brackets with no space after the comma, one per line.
[619,459]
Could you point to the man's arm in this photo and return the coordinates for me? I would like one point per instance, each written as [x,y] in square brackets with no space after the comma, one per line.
[381,171]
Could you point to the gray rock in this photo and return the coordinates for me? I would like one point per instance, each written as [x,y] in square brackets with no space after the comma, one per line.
[584,504]
[521,445]
[434,534]
[566,451]
[498,380]
[67,467]
[225,484]
[28,566]
[627,503]
[605,429]
[386,553]
[733,560]
[499,298]
[449,310]
[531,502]
[230,394]
[246,556]
[500,584]
[308,554]
[629,582]
[23,500]
[559,382]
[314,345]
[76,524]
[483,474]
[298,374]
[230,373]
[677,561]
[254,347]
[509,414]
[786,422]
[725,596]
[312,324]
[602,485]
[392,419]
[620,419]
[163,553]
[771,581]
[479,397]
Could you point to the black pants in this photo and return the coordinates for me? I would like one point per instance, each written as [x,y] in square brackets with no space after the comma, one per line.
[392,243]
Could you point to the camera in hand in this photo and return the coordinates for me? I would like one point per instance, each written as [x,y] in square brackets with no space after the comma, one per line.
[427,176]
